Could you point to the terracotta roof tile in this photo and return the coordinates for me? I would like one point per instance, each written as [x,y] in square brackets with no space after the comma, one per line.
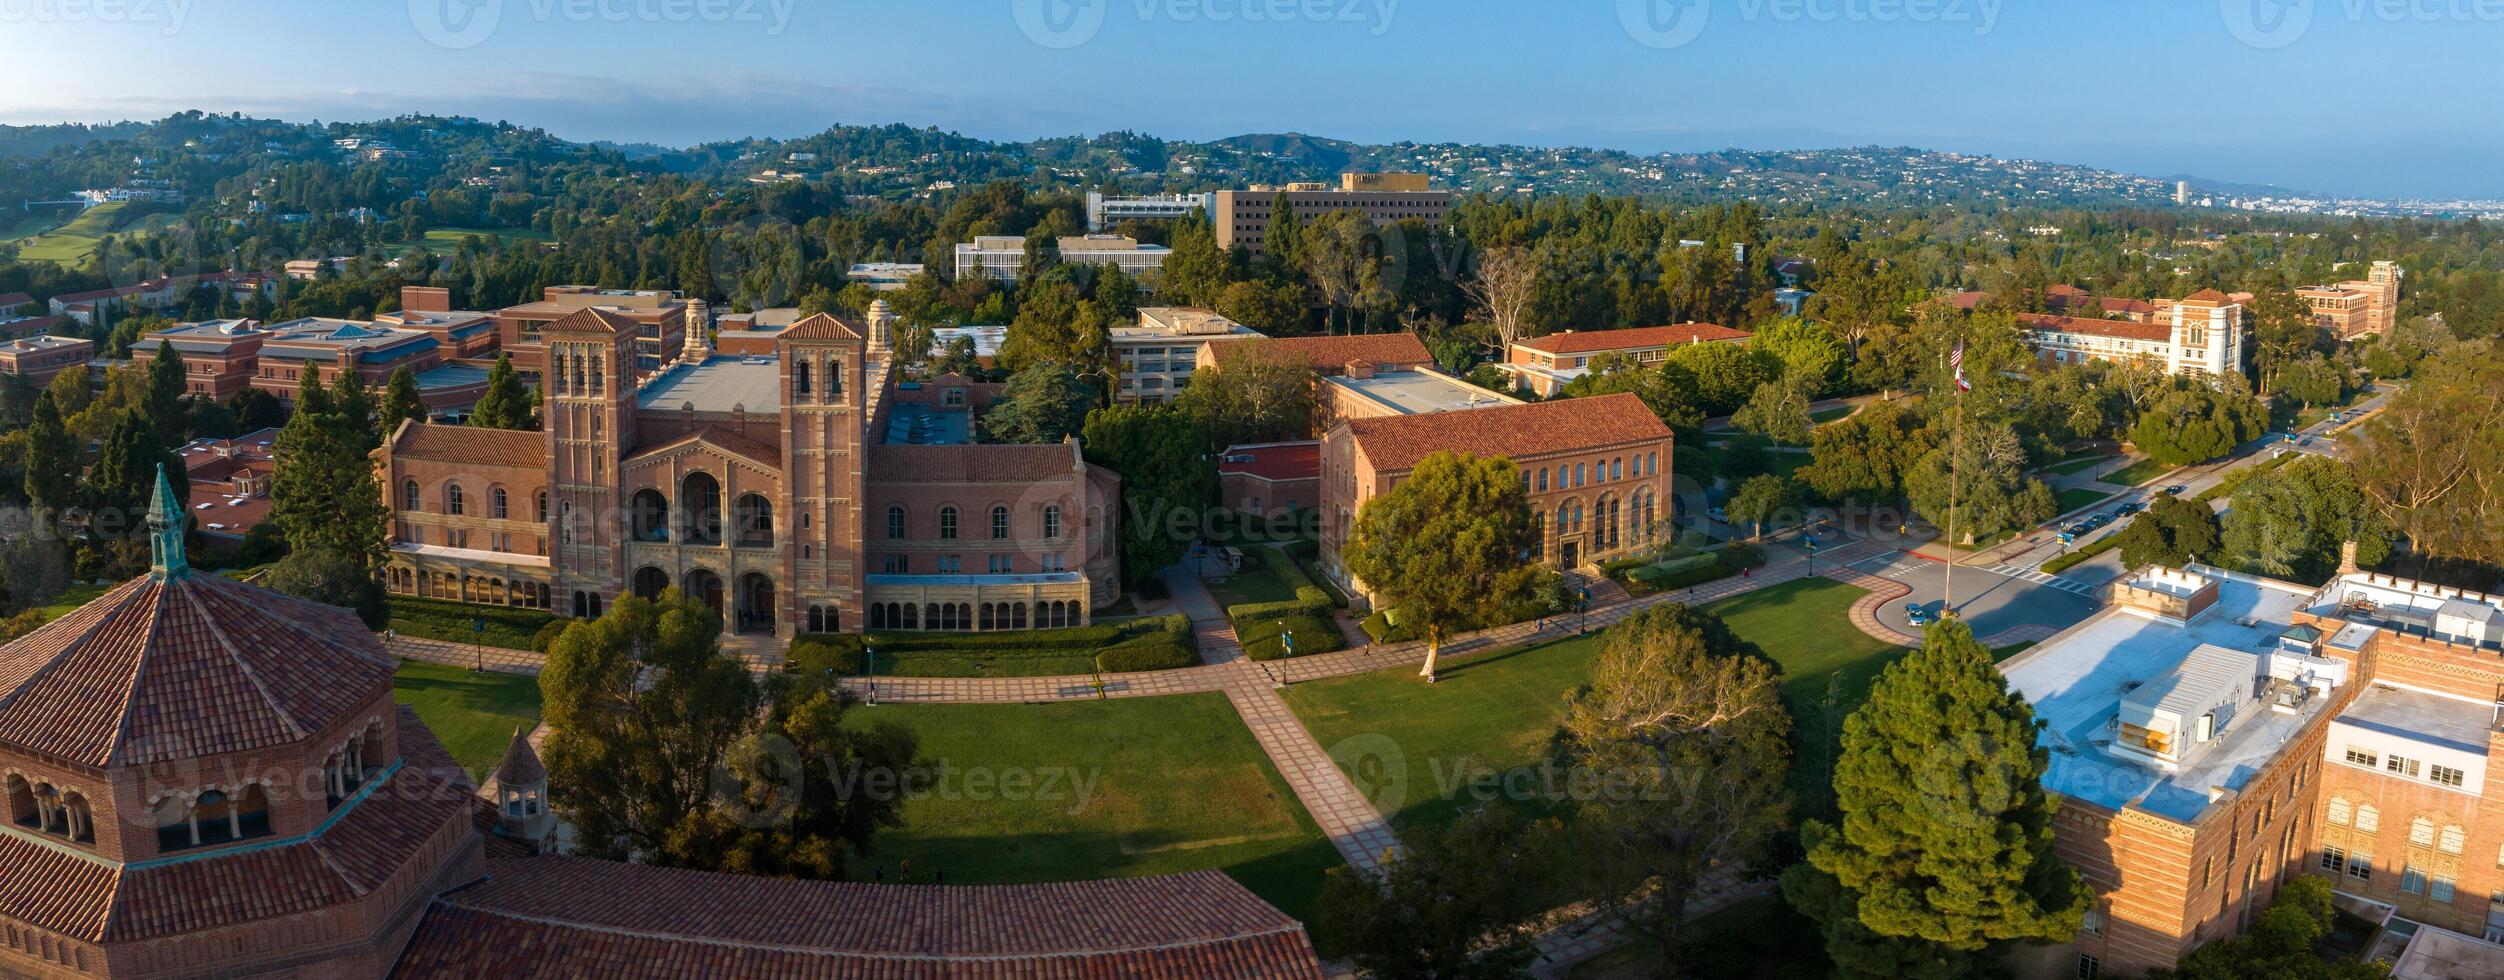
[1283,461]
[719,437]
[9,302]
[521,765]
[566,916]
[1588,341]
[2208,296]
[823,326]
[592,319]
[1400,442]
[1328,355]
[2049,323]
[190,668]
[464,444]
[55,891]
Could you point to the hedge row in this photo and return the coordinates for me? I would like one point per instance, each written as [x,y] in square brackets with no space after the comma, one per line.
[1315,632]
[1067,638]
[1680,573]
[2075,558]
[1170,646]
[438,619]
[1157,644]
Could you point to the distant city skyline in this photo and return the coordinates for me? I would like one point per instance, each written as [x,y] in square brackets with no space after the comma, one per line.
[2344,98]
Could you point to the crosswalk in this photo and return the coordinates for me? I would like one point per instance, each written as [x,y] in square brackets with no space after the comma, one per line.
[2038,576]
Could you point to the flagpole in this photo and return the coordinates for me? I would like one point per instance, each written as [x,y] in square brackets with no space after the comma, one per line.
[1956,455]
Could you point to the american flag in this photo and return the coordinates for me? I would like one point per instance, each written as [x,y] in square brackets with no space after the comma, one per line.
[1957,362]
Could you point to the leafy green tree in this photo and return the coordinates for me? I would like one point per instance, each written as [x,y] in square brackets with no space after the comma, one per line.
[2433,458]
[1167,481]
[1725,375]
[958,356]
[1196,271]
[1946,834]
[1762,499]
[2197,422]
[324,495]
[507,403]
[2285,944]
[1055,326]
[1447,544]
[1456,904]
[1988,491]
[2314,380]
[2283,329]
[1779,411]
[669,752]
[1868,456]
[1044,403]
[125,476]
[400,402]
[2292,522]
[1256,393]
[1277,308]
[1805,350]
[334,578]
[255,410]
[70,393]
[2174,532]
[1683,730]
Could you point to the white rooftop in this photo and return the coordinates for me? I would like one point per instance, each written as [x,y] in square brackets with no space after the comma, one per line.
[1421,392]
[2078,681]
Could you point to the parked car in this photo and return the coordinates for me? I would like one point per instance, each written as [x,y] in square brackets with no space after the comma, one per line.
[2173,491]
[1916,614]
[2127,509]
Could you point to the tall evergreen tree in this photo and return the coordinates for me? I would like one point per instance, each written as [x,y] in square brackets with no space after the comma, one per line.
[324,495]
[1945,846]
[166,386]
[125,475]
[51,460]
[400,403]
[353,403]
[507,403]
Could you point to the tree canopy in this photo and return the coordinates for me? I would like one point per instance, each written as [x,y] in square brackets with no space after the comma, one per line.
[1447,544]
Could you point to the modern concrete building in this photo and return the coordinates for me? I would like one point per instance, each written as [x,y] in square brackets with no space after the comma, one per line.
[1242,218]
[1545,365]
[1105,212]
[1002,258]
[1161,351]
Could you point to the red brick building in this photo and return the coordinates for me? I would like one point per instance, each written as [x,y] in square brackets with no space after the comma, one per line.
[38,359]
[1596,469]
[1270,480]
[1545,365]
[660,317]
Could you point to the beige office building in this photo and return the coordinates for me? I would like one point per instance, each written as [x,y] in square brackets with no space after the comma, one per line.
[1243,217]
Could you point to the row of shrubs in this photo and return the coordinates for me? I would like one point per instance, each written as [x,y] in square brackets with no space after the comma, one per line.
[1662,575]
[1149,644]
[1308,617]
[506,627]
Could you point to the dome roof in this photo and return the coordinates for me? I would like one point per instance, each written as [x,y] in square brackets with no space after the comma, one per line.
[176,665]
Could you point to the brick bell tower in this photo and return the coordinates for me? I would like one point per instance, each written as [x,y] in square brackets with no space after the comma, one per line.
[589,394]
[829,392]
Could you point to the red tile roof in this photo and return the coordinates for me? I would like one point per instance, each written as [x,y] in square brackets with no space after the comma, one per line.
[1283,461]
[1632,338]
[521,765]
[1400,442]
[718,437]
[195,667]
[594,320]
[9,302]
[576,917]
[824,326]
[465,444]
[2049,323]
[2208,296]
[1330,355]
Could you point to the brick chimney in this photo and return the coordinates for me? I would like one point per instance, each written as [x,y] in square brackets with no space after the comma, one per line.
[2347,558]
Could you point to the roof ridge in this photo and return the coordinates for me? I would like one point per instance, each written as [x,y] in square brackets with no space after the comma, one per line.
[139,668]
[9,697]
[224,644]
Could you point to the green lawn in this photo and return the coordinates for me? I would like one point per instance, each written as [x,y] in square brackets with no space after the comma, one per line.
[75,242]
[445,241]
[1255,583]
[69,601]
[20,224]
[2136,473]
[1787,464]
[1824,416]
[1102,789]
[1435,745]
[2077,465]
[2074,498]
[474,714]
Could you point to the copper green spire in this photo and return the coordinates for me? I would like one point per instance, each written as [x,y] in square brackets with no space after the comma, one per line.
[165,531]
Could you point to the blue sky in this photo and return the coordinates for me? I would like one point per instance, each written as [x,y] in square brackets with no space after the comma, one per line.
[2383,97]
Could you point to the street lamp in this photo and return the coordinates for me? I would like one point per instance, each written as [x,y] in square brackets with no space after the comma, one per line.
[1286,645]
[870,672]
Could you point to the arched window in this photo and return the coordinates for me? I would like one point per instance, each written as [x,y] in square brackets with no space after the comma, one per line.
[1538,535]
[700,504]
[408,497]
[543,507]
[2450,841]
[1616,470]
[2421,832]
[214,817]
[2341,811]
[756,521]
[453,502]
[1052,522]
[895,523]
[947,523]
[999,524]
[1543,480]
[498,505]
[647,516]
[800,378]
[834,377]
[2368,819]
[22,811]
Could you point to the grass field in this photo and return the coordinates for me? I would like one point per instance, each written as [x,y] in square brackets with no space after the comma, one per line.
[68,602]
[1255,583]
[20,223]
[2136,473]
[75,242]
[1107,789]
[1494,714]
[2076,465]
[474,714]
[1824,416]
[2075,498]
[444,241]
